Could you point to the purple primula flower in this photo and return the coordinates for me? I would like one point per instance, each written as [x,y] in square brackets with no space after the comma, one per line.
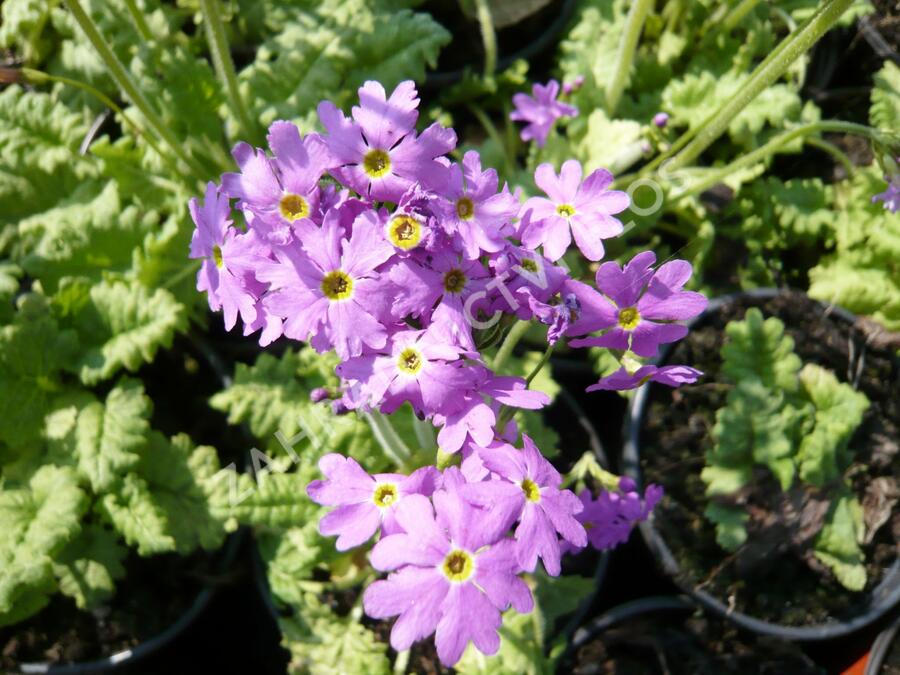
[891,196]
[446,280]
[521,274]
[557,316]
[610,518]
[365,503]
[377,152]
[451,579]
[540,111]
[470,419]
[329,288]
[583,210]
[672,376]
[529,493]
[229,259]
[637,306]
[415,367]
[475,212]
[281,190]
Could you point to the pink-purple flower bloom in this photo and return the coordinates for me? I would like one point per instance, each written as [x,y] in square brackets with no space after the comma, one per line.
[364,503]
[528,493]
[540,111]
[610,518]
[452,579]
[572,208]
[637,306]
[622,379]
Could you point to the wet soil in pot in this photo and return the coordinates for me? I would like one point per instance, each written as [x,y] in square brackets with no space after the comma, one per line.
[780,586]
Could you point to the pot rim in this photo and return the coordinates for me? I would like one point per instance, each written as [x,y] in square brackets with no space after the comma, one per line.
[881,599]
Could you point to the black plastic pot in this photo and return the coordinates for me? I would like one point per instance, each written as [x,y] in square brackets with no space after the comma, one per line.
[261,580]
[547,38]
[882,598]
[126,659]
[881,648]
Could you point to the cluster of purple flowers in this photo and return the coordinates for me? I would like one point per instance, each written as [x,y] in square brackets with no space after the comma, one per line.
[369,241]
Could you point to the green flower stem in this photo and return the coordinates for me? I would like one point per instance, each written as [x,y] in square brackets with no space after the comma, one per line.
[424,432]
[793,46]
[833,150]
[773,146]
[40,77]
[512,338]
[389,439]
[540,364]
[491,130]
[127,85]
[488,36]
[140,21]
[184,272]
[401,662]
[736,15]
[221,56]
[634,24]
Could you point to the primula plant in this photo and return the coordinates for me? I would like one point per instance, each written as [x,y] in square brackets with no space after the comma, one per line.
[797,421]
[369,242]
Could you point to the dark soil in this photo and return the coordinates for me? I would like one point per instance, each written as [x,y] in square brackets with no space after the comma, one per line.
[696,645]
[155,593]
[781,586]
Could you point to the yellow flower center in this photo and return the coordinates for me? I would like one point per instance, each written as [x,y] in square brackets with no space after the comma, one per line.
[458,566]
[410,361]
[529,265]
[293,207]
[376,163]
[337,285]
[385,495]
[629,318]
[531,490]
[405,232]
[565,210]
[454,281]
[465,209]
[217,256]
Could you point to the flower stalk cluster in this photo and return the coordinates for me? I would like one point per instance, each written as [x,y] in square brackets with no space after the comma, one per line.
[369,241]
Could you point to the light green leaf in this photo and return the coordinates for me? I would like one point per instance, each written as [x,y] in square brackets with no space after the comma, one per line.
[135,515]
[89,566]
[291,556]
[109,437]
[123,326]
[36,522]
[278,500]
[730,522]
[837,545]
[758,349]
[885,110]
[823,454]
[32,351]
[330,51]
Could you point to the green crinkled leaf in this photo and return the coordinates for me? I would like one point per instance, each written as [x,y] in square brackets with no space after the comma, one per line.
[273,393]
[730,522]
[329,51]
[21,26]
[89,234]
[89,566]
[758,349]
[823,454]
[32,352]
[291,556]
[885,110]
[36,522]
[134,514]
[837,544]
[122,326]
[755,426]
[9,286]
[323,643]
[109,438]
[847,283]
[180,478]
[277,500]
